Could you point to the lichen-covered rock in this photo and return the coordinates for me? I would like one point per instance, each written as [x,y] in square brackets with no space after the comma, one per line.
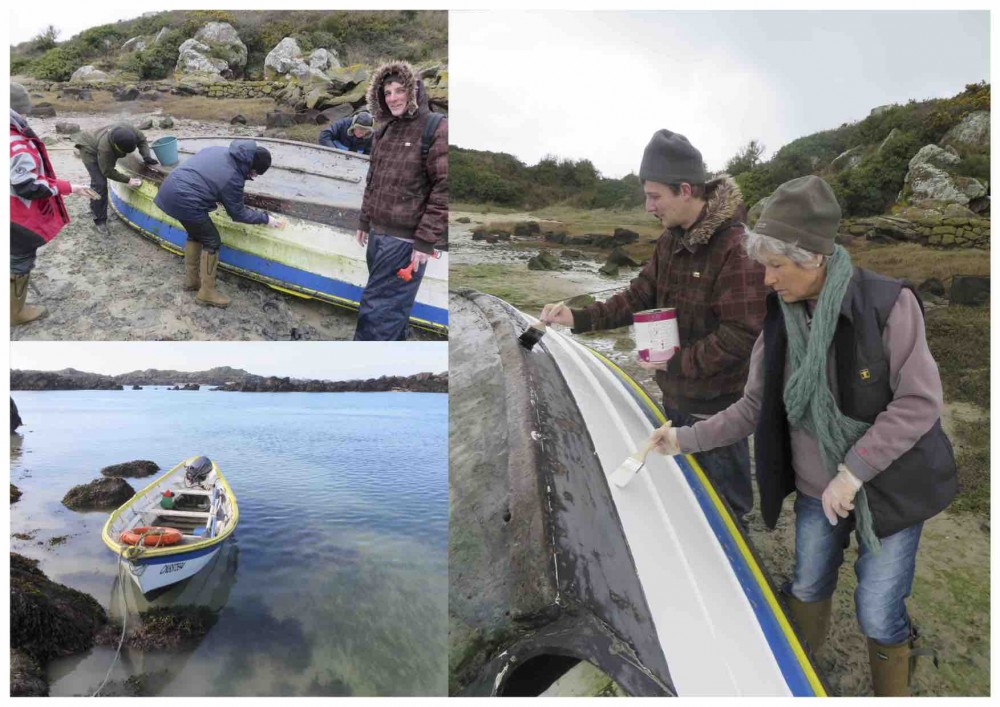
[146,124]
[126,93]
[99,495]
[238,120]
[930,178]
[224,42]
[43,110]
[135,44]
[135,469]
[27,679]
[166,122]
[322,59]
[973,131]
[848,159]
[970,290]
[48,620]
[280,60]
[15,494]
[88,74]
[193,59]
[67,128]
[545,260]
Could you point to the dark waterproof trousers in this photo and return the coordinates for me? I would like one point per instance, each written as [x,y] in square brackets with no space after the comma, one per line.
[99,183]
[384,314]
[24,244]
[728,468]
[204,232]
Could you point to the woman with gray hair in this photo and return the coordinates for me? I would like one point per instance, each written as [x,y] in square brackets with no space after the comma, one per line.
[844,401]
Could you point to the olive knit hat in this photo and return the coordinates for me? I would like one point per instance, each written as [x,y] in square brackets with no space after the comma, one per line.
[670,159]
[803,212]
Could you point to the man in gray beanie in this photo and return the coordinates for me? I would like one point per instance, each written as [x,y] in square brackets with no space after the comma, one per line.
[699,269]
[844,402]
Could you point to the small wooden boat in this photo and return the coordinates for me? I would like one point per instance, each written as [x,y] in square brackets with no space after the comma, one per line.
[318,190]
[551,564]
[164,542]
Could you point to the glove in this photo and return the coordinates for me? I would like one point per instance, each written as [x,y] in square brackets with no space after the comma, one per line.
[838,496]
[664,440]
[150,161]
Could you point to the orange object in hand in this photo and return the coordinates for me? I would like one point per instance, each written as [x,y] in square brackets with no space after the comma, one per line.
[405,274]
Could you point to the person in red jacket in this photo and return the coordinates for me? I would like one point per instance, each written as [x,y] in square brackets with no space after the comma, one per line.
[37,211]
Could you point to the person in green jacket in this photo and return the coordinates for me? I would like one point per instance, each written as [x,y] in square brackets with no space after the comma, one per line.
[100,151]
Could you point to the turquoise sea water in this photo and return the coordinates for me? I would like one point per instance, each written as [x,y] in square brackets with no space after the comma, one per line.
[336,580]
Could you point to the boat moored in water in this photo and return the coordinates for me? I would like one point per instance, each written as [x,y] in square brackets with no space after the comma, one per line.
[318,190]
[175,526]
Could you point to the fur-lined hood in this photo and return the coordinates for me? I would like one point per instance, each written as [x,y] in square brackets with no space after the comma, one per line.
[723,203]
[415,96]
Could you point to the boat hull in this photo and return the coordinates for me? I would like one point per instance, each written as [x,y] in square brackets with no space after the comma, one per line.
[315,256]
[156,573]
[653,583]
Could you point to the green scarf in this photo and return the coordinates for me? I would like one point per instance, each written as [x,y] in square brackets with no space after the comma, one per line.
[809,401]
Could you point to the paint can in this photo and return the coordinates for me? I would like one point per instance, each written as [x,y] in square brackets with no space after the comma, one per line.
[656,335]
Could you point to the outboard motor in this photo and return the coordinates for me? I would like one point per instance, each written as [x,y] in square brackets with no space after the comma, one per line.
[197,471]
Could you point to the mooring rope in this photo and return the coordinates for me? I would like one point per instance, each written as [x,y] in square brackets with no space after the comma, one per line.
[127,553]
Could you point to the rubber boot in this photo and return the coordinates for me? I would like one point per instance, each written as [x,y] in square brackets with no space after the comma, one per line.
[207,294]
[192,263]
[812,619]
[890,667]
[21,313]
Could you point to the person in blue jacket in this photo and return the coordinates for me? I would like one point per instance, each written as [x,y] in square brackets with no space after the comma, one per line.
[193,190]
[353,133]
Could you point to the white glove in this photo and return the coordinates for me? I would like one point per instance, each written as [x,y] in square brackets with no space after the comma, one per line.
[838,496]
[275,222]
[135,182]
[664,440]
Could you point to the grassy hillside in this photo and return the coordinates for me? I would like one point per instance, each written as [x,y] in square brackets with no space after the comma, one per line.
[867,189]
[357,36]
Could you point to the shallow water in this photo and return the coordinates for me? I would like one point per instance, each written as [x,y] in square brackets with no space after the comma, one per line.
[336,579]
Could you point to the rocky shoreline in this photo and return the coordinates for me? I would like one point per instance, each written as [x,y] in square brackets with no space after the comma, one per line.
[224,379]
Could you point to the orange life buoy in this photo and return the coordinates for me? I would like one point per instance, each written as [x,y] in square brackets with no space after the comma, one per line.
[152,536]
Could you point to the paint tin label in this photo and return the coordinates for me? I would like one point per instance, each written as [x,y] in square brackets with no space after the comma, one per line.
[656,336]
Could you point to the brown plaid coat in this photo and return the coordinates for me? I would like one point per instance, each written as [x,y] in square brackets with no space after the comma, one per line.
[718,293]
[402,197]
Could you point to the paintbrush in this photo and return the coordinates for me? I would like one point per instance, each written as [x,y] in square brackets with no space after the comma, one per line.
[630,467]
[534,333]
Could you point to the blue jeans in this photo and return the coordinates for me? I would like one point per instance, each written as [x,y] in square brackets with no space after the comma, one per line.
[727,467]
[384,312]
[885,578]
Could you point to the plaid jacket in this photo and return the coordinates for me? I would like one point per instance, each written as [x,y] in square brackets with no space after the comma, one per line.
[403,197]
[718,293]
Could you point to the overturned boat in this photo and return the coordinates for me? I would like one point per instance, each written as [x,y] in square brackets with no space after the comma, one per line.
[175,526]
[551,565]
[319,191]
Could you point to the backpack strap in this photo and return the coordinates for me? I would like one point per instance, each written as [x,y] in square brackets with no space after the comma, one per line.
[433,120]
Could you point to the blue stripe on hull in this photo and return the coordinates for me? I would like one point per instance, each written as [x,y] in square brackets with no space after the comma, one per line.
[789,664]
[283,275]
[179,557]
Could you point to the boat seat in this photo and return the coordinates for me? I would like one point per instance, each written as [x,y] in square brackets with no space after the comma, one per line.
[183,514]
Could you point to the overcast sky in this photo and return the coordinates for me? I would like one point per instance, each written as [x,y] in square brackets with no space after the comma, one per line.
[597,85]
[72,19]
[297,359]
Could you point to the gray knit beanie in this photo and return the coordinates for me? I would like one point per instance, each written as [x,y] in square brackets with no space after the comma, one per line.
[803,212]
[20,102]
[670,159]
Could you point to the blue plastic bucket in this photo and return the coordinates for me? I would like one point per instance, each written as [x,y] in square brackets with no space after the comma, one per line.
[165,149]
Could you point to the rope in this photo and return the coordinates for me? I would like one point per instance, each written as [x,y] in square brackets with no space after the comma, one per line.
[129,553]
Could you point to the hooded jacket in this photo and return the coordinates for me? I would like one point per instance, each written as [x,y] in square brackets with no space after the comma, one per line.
[36,196]
[718,293]
[97,147]
[405,196]
[213,175]
[339,136]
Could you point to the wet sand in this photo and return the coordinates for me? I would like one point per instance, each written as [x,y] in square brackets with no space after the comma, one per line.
[124,287]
